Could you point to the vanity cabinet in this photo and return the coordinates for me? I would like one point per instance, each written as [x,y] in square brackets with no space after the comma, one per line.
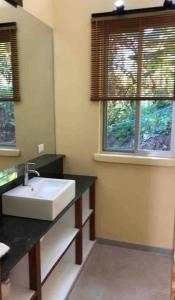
[50,268]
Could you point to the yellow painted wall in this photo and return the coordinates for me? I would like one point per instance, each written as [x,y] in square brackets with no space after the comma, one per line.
[134,203]
[42,9]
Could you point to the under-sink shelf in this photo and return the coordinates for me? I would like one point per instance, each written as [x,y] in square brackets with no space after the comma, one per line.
[19,293]
[62,279]
[60,282]
[87,244]
[87,247]
[54,245]
[86,214]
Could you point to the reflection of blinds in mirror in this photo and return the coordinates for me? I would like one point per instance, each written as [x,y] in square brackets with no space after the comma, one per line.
[9,73]
[15,2]
[133,58]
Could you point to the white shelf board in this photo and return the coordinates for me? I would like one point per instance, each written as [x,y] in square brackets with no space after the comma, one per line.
[61,281]
[86,213]
[53,246]
[19,293]
[87,247]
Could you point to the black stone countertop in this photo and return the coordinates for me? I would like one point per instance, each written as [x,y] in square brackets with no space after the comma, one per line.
[21,234]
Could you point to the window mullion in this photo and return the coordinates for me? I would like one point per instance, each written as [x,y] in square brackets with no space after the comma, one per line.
[137,126]
[104,120]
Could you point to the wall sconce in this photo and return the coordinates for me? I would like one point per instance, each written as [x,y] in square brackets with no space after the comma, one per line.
[168,3]
[120,6]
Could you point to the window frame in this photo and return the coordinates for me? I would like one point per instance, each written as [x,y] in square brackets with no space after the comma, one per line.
[136,151]
[101,29]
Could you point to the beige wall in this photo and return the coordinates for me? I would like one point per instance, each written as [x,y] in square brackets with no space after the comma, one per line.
[42,9]
[34,114]
[134,203]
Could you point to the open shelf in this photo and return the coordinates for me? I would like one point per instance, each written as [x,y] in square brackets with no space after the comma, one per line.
[54,245]
[86,214]
[87,247]
[60,282]
[87,244]
[62,279]
[19,293]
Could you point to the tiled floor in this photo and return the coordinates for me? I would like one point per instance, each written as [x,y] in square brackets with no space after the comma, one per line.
[113,273]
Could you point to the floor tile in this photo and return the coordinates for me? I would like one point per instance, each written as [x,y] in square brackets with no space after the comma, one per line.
[114,273]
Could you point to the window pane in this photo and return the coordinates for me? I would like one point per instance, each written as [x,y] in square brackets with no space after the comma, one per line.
[155,127]
[7,124]
[120,126]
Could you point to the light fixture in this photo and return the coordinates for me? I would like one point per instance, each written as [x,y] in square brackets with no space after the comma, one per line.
[168,3]
[120,6]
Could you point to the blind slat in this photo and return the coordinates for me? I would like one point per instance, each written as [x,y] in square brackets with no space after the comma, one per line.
[9,73]
[133,59]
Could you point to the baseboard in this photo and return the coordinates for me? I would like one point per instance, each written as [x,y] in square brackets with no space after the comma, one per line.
[165,251]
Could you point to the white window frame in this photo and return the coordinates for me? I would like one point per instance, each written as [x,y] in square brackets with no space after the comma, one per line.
[136,151]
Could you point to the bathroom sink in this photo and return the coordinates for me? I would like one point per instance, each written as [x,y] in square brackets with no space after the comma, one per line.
[43,198]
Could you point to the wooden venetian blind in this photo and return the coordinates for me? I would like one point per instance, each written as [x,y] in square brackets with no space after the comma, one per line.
[9,73]
[133,58]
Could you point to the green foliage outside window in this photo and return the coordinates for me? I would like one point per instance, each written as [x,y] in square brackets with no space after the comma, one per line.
[156,121]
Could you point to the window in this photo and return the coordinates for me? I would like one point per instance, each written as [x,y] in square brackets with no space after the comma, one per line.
[133,73]
[9,83]
[140,127]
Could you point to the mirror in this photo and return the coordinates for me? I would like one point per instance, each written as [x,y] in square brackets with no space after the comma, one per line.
[34,114]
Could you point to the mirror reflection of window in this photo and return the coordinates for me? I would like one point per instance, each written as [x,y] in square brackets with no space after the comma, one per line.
[7,124]
[9,83]
[8,175]
[15,2]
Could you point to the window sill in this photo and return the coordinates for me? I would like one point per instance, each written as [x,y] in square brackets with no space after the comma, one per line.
[10,152]
[134,160]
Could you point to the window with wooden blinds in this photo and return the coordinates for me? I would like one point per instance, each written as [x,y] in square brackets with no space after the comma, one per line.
[133,58]
[9,73]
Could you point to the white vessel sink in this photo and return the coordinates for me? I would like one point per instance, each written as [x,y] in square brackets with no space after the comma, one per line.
[43,199]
